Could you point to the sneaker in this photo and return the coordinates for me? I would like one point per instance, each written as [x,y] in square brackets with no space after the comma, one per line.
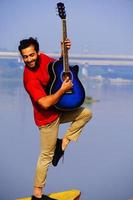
[44,197]
[58,152]
[35,198]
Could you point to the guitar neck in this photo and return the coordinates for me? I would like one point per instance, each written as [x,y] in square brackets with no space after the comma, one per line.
[65,51]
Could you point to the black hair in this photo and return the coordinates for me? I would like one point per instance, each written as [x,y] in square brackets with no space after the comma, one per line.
[27,42]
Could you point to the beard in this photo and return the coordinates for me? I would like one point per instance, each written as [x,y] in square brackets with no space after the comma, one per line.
[36,64]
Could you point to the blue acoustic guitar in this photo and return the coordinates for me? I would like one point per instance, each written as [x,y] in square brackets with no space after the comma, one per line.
[60,69]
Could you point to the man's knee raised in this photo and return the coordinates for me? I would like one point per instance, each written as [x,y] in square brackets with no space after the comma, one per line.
[87,113]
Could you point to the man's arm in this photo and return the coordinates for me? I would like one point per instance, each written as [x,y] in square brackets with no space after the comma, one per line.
[50,100]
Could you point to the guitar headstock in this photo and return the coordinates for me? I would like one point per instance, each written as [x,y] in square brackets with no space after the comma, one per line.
[61,10]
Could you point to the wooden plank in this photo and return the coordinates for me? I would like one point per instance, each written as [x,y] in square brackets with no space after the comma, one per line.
[65,195]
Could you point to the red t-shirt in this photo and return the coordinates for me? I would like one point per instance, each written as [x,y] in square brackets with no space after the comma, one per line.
[35,83]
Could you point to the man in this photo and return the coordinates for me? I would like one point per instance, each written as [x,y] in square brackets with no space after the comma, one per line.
[47,118]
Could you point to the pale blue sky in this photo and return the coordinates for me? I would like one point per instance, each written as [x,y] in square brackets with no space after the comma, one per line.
[94,26]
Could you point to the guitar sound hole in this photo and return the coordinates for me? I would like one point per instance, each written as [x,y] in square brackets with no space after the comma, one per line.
[64,76]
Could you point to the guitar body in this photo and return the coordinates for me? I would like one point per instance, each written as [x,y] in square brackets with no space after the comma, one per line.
[71,99]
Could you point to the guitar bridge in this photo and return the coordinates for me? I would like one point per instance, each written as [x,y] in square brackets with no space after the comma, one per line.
[69,91]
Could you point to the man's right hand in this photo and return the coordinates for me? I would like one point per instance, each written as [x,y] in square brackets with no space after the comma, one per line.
[67,84]
[52,99]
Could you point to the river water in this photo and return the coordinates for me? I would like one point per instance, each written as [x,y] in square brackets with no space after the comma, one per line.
[100,164]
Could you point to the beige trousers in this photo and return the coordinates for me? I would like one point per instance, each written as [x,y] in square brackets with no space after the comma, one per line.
[48,137]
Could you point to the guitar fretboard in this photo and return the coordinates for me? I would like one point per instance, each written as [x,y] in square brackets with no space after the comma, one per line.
[65,51]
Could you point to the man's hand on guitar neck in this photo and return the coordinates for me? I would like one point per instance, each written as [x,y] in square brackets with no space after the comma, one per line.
[67,44]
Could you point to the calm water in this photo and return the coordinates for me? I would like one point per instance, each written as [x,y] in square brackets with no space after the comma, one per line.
[100,164]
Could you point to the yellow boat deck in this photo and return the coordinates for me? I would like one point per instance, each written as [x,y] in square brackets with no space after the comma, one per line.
[65,195]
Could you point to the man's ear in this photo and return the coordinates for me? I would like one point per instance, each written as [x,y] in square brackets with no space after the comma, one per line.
[39,53]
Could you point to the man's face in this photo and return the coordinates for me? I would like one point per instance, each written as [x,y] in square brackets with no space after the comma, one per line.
[30,57]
